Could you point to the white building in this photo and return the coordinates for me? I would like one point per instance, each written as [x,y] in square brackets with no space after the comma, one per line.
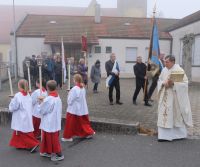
[187,25]
[125,8]
[128,37]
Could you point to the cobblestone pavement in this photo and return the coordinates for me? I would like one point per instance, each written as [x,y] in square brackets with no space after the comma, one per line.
[99,105]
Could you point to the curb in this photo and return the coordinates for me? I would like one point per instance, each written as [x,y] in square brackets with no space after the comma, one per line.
[112,126]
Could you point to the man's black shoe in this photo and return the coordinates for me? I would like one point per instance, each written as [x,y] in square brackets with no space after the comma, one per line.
[111,103]
[118,102]
[134,102]
[147,104]
[162,140]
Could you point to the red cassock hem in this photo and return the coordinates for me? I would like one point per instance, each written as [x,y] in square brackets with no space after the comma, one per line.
[23,140]
[50,142]
[77,126]
[36,125]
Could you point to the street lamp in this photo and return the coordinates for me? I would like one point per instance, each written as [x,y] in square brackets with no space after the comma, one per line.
[15,48]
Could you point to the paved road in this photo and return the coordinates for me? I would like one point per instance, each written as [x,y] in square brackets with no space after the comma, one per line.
[107,150]
[99,105]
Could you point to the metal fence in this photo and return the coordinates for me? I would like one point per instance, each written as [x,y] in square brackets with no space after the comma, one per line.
[4,71]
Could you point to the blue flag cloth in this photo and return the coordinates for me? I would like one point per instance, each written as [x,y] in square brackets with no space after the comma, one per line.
[156,46]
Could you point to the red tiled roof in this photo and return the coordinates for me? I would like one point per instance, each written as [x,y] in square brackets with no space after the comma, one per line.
[6,16]
[72,27]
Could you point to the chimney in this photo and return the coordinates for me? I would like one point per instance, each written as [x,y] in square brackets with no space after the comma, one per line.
[97,13]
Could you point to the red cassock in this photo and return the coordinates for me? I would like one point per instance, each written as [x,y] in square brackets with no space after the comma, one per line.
[23,140]
[50,142]
[77,126]
[36,126]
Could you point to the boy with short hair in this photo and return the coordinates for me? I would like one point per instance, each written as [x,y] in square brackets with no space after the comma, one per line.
[51,112]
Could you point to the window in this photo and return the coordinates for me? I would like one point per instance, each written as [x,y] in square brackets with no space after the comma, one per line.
[146,54]
[196,52]
[181,53]
[131,54]
[97,49]
[108,49]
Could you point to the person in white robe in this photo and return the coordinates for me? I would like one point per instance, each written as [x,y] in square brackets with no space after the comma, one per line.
[38,93]
[21,108]
[51,114]
[174,110]
[77,119]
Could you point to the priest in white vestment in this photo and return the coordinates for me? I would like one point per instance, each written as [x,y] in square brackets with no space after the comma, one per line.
[174,110]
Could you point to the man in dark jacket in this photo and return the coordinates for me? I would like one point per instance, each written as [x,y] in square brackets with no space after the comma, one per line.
[25,69]
[115,83]
[58,72]
[140,76]
[33,69]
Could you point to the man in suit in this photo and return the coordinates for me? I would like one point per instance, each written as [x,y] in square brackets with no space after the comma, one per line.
[140,77]
[115,82]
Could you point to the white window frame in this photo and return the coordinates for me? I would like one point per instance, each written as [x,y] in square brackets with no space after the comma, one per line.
[95,49]
[110,48]
[181,53]
[146,54]
[128,58]
[195,52]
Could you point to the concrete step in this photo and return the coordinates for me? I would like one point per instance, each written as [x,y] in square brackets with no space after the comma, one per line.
[112,126]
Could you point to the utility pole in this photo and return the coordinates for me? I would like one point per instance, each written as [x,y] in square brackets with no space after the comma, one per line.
[14,47]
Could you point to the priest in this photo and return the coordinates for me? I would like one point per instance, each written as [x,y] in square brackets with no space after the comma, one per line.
[174,110]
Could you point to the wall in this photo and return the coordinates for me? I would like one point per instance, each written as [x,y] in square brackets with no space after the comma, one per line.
[119,48]
[29,47]
[177,35]
[4,50]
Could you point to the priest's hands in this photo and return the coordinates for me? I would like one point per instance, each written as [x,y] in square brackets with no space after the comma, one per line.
[168,84]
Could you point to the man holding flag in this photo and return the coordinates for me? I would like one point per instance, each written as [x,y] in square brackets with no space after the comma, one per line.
[112,69]
[155,66]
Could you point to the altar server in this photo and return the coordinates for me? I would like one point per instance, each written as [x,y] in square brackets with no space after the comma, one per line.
[77,120]
[21,108]
[51,112]
[38,93]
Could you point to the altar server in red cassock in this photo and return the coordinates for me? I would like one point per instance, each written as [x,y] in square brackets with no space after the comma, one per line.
[21,108]
[77,120]
[35,101]
[51,112]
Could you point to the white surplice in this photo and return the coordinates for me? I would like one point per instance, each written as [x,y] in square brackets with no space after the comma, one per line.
[21,108]
[76,101]
[51,114]
[174,110]
[35,101]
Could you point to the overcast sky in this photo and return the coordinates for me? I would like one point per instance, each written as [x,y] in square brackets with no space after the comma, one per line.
[169,8]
